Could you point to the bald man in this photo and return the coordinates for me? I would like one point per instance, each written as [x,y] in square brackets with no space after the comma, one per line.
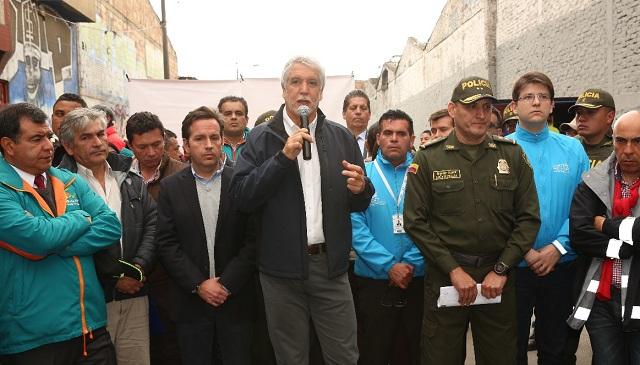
[603,231]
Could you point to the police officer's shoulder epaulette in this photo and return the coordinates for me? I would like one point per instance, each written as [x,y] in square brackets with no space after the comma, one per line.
[503,140]
[433,142]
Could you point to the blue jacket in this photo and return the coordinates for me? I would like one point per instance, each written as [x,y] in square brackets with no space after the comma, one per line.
[374,242]
[50,291]
[558,162]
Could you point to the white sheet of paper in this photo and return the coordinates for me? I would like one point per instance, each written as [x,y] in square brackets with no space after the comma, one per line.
[449,297]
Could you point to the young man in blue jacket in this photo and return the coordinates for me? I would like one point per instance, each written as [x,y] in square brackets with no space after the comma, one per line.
[388,264]
[544,279]
[51,223]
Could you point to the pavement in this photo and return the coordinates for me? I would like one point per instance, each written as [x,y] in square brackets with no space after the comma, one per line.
[583,355]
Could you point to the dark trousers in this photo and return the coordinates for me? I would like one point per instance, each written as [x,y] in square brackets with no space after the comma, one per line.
[386,313]
[198,341]
[163,339]
[444,331]
[610,344]
[550,297]
[68,352]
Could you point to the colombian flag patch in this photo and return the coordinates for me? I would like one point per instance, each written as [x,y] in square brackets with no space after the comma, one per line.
[413,168]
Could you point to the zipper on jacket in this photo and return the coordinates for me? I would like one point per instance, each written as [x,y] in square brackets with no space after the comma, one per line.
[83,317]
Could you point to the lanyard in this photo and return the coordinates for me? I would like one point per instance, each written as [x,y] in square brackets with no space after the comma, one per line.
[386,184]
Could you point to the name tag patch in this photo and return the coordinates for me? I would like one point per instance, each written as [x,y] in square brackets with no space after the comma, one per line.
[446,175]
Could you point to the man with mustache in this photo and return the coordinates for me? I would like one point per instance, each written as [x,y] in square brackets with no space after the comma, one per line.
[121,267]
[304,226]
[235,111]
[605,234]
[356,111]
[544,279]
[51,224]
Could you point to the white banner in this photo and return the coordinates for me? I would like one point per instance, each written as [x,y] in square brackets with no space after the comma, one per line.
[171,100]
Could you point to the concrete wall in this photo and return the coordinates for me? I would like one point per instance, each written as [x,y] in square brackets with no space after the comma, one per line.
[457,48]
[579,44]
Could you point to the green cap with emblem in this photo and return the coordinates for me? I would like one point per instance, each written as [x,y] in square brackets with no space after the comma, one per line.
[472,89]
[594,99]
[509,114]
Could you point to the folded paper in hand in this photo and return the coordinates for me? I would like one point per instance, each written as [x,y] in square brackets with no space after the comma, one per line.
[449,297]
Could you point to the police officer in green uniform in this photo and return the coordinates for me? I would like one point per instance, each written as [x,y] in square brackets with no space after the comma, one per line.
[472,209]
[595,110]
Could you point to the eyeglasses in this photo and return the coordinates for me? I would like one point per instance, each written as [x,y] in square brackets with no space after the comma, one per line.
[529,98]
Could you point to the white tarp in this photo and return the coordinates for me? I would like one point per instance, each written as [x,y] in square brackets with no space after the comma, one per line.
[171,100]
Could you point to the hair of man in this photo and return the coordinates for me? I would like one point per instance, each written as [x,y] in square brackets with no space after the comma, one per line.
[71,97]
[142,122]
[305,61]
[438,114]
[232,98]
[110,115]
[77,120]
[11,116]
[357,93]
[372,143]
[533,77]
[395,114]
[202,112]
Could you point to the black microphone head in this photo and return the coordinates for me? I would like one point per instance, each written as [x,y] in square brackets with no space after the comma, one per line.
[303,111]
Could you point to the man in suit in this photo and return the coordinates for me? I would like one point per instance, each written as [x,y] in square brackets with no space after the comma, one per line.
[205,247]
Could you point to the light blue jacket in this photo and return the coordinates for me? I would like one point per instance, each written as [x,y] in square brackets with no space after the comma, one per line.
[558,162]
[50,291]
[376,246]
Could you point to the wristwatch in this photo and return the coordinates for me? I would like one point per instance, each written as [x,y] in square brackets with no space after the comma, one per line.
[501,268]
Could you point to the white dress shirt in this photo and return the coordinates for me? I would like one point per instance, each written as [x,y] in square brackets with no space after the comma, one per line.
[310,179]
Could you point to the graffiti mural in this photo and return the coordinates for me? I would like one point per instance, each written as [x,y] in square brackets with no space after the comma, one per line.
[42,64]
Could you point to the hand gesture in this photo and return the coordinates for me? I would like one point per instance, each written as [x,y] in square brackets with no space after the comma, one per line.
[355,177]
[293,146]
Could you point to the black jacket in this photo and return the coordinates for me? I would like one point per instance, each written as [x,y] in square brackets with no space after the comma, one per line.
[594,197]
[182,247]
[268,183]
[138,218]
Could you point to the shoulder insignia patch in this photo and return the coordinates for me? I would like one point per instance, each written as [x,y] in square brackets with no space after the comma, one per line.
[413,168]
[503,140]
[434,141]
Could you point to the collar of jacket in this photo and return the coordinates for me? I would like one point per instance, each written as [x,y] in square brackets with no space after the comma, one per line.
[600,179]
[407,161]
[116,161]
[453,144]
[119,163]
[525,135]
[276,125]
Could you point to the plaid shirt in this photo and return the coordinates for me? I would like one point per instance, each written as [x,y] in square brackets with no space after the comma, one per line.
[626,193]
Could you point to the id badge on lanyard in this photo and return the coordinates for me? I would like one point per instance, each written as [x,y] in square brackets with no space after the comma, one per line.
[397,219]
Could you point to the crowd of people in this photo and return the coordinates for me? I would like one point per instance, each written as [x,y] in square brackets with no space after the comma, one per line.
[301,241]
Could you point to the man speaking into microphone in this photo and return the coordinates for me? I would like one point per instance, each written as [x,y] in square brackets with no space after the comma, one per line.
[303,208]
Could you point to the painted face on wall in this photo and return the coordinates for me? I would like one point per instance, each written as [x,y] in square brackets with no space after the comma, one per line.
[32,57]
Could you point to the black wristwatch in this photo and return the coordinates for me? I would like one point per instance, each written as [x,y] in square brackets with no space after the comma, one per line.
[501,268]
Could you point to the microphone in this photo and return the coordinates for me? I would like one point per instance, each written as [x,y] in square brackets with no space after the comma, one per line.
[303,112]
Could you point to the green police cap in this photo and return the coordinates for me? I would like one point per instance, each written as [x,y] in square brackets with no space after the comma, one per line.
[594,99]
[471,89]
[509,114]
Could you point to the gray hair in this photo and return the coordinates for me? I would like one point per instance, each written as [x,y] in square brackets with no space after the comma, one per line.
[305,61]
[77,120]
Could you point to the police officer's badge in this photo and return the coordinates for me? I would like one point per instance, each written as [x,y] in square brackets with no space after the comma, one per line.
[503,166]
